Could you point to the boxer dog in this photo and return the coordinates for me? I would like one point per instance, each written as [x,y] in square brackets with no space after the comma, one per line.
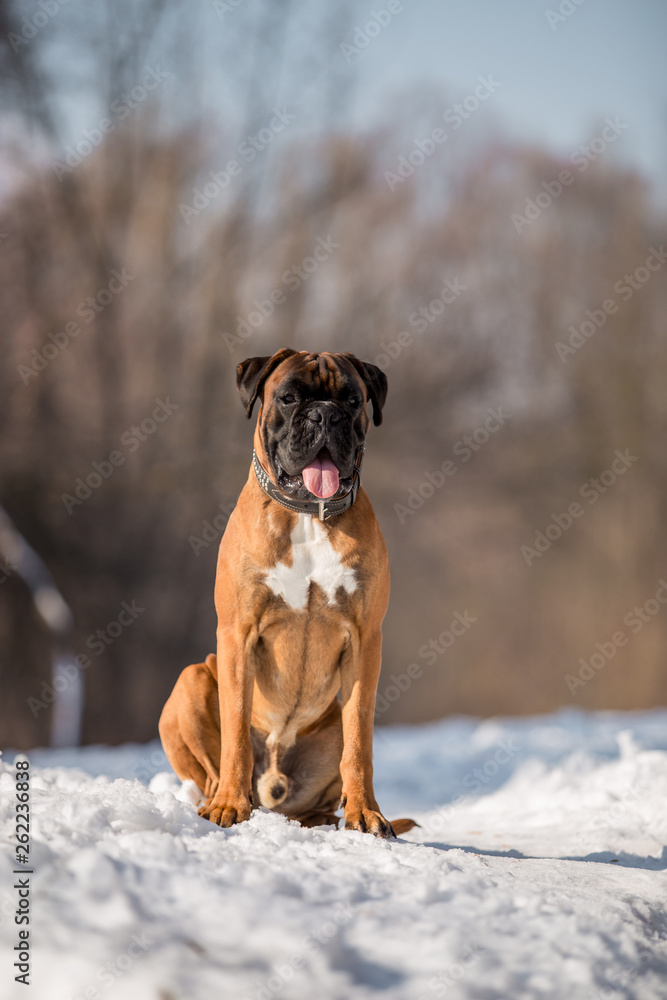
[282,714]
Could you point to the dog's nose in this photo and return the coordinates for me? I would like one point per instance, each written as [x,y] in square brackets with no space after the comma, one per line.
[326,413]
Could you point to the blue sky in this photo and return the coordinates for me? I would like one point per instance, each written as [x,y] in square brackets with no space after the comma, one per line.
[558,82]
[608,57]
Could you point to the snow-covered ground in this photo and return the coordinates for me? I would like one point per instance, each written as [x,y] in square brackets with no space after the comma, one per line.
[538,871]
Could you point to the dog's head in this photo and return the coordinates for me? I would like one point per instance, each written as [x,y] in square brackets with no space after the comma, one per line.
[312,421]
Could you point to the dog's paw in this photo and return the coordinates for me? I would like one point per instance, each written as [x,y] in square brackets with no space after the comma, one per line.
[368,821]
[226,810]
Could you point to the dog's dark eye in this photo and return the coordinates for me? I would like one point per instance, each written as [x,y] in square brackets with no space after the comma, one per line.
[288,398]
[353,401]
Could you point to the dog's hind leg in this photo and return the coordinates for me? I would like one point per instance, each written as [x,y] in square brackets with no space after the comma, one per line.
[322,811]
[190,726]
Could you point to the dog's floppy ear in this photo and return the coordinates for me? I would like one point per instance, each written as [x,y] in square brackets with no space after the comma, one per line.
[375,381]
[252,373]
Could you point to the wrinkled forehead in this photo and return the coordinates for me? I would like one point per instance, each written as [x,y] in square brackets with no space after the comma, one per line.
[322,375]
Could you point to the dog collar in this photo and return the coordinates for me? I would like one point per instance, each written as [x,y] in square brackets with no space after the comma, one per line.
[322,509]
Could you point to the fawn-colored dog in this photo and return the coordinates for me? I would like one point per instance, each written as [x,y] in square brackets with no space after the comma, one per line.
[301,590]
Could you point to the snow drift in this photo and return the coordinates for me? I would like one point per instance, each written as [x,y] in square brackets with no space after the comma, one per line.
[538,872]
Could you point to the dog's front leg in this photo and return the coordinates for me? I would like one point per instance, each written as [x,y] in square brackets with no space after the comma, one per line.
[360,670]
[231,802]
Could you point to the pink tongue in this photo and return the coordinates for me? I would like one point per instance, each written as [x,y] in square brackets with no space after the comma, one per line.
[321,477]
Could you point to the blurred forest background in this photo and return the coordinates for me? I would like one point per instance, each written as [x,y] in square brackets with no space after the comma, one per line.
[122,287]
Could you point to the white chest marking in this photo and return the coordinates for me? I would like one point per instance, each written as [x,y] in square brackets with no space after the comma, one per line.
[314,560]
